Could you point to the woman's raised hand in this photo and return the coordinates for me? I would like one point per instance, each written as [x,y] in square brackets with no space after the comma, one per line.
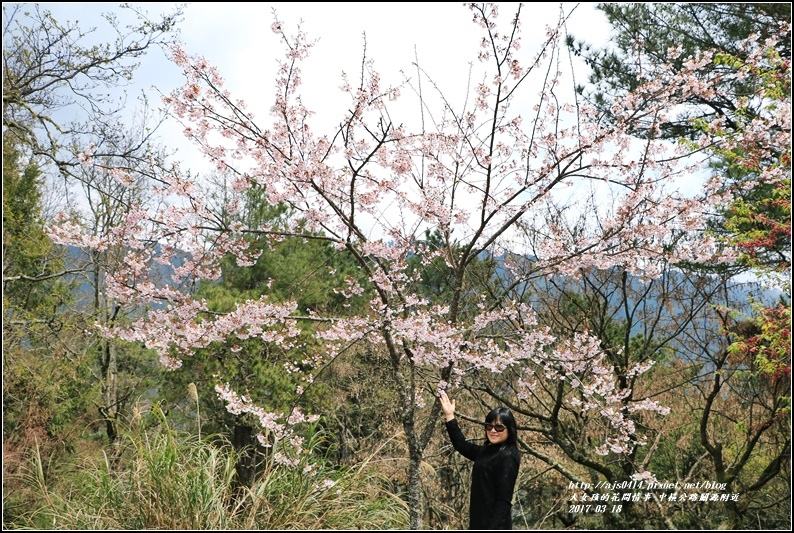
[447,405]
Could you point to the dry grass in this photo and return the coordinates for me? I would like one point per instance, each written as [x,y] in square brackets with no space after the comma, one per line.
[160,479]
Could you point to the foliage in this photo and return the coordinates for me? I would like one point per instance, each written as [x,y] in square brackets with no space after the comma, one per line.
[643,34]
[158,478]
[744,440]
[27,252]
[62,91]
[45,369]
[307,269]
[452,249]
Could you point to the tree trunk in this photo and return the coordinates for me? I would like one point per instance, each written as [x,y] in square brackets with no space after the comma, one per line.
[243,442]
[415,499]
[109,410]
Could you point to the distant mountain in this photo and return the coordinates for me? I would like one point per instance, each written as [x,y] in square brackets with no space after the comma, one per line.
[741,291]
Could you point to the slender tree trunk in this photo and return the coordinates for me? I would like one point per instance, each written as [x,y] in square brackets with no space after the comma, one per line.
[109,410]
[415,496]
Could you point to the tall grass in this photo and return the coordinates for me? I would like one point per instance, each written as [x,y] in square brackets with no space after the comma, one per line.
[162,479]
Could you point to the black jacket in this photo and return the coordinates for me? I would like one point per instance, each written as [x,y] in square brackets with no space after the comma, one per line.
[493,479]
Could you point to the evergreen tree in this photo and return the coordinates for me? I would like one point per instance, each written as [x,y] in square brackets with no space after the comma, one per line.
[46,374]
[645,32]
[307,270]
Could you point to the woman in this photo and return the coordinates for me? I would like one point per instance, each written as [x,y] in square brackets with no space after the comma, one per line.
[495,470]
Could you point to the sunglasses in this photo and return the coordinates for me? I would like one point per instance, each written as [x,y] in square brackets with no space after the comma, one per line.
[498,427]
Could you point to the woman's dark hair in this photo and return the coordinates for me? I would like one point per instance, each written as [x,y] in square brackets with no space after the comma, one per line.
[504,416]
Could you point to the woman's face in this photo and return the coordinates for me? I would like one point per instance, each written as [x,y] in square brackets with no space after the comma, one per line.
[494,436]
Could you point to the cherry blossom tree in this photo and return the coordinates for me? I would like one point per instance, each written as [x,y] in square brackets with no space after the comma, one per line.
[492,177]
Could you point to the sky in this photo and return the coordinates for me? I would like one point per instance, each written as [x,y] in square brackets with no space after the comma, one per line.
[236,37]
